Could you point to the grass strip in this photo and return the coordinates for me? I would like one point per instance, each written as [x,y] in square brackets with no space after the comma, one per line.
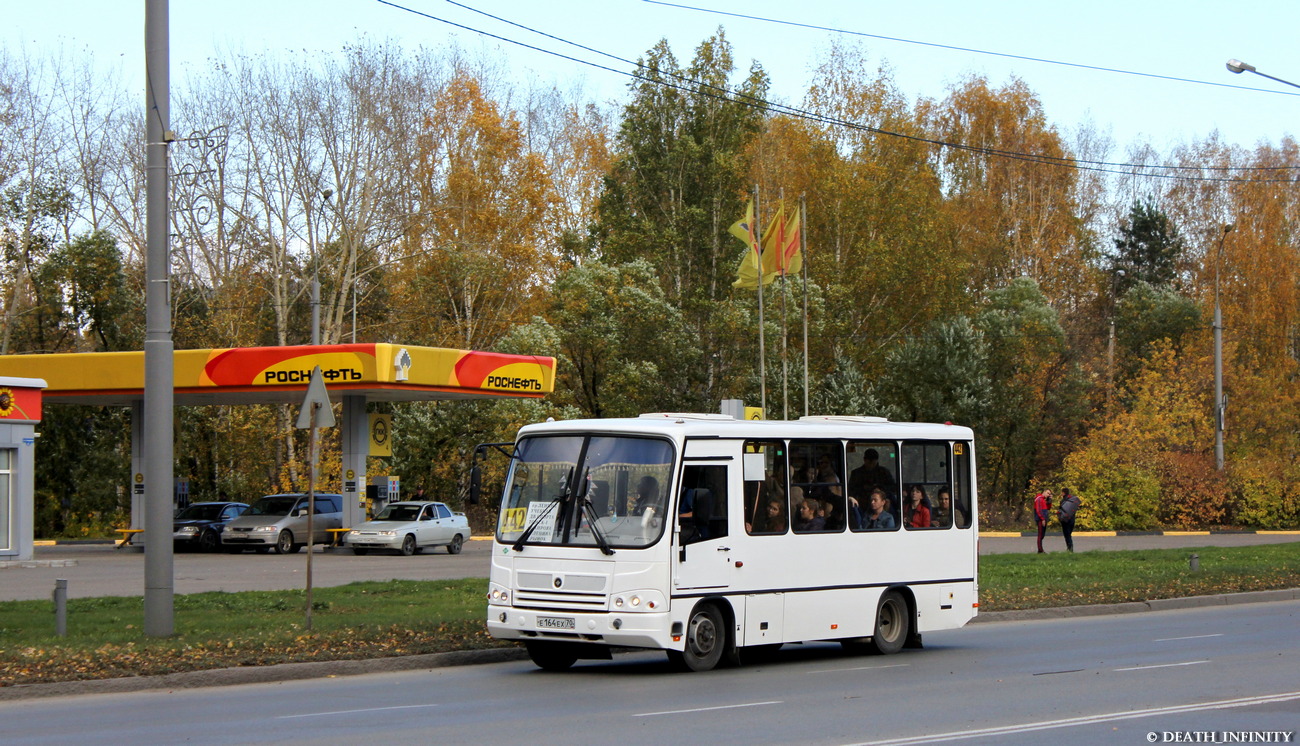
[1037,581]
[405,617]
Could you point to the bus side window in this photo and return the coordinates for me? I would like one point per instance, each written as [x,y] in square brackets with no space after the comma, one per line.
[961,481]
[925,471]
[702,509]
[765,506]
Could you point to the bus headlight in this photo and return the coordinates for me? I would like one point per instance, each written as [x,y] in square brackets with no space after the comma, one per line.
[499,596]
[638,601]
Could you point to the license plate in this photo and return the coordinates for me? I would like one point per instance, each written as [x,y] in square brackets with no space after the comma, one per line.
[555,622]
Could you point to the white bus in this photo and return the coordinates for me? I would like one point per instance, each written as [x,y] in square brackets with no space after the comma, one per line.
[719,539]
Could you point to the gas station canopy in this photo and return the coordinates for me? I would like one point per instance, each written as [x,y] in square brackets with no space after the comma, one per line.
[279,375]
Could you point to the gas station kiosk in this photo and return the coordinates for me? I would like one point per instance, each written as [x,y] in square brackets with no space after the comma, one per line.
[20,411]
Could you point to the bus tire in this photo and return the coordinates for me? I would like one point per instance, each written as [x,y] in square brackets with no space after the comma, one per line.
[706,641]
[551,656]
[892,624]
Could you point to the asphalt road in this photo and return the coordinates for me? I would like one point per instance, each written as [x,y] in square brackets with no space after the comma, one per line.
[101,570]
[1109,679]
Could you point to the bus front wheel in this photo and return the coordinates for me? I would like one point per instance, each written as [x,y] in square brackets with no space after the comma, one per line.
[706,641]
[892,624]
[551,656]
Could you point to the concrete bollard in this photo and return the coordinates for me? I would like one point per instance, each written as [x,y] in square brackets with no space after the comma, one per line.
[1194,563]
[61,607]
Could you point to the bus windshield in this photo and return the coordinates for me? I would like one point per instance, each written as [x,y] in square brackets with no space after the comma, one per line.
[558,485]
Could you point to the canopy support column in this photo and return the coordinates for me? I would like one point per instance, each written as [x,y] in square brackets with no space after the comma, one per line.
[356,446]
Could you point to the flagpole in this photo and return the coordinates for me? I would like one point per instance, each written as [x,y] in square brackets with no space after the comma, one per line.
[762,346]
[803,252]
[785,355]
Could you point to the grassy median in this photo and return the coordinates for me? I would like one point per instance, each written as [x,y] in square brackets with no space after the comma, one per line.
[404,617]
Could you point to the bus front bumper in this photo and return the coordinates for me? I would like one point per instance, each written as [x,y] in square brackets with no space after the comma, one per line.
[635,630]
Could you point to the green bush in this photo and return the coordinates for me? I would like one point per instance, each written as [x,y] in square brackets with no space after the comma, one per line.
[1116,496]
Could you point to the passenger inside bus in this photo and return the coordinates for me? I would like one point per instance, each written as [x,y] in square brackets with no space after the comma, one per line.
[941,516]
[776,522]
[808,520]
[878,517]
[647,496]
[918,514]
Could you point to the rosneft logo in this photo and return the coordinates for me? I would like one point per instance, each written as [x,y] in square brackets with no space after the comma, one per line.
[513,384]
[304,376]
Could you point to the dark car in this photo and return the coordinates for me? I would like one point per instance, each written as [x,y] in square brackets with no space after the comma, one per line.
[199,526]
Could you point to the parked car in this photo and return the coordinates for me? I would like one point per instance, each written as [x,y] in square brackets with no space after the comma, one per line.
[408,527]
[199,525]
[279,522]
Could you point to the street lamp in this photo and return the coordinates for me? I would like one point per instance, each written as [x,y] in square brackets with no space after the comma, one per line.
[1239,67]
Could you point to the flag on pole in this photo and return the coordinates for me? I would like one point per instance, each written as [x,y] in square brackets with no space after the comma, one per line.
[790,258]
[747,273]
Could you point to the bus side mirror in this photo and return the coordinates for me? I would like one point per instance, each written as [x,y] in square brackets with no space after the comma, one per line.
[475,484]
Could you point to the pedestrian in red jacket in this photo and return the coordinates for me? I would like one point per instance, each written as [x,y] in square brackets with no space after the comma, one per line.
[1042,509]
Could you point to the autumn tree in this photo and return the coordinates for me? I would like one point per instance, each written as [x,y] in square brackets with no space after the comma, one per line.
[476,246]
[1010,188]
[621,345]
[876,230]
[676,183]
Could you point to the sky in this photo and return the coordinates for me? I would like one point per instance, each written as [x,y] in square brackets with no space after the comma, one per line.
[931,45]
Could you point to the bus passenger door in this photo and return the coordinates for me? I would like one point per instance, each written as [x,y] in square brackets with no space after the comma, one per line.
[704,560]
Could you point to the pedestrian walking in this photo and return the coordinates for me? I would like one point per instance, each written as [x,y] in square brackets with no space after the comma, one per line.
[1042,509]
[1066,512]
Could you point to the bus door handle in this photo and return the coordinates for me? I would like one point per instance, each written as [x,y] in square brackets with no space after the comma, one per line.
[724,549]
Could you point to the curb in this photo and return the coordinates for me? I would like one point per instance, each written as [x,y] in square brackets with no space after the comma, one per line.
[263,674]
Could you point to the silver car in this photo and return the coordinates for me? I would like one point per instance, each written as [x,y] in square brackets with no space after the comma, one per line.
[408,527]
[279,522]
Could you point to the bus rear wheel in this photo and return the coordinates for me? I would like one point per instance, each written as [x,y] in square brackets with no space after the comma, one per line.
[892,624]
[551,656]
[706,641]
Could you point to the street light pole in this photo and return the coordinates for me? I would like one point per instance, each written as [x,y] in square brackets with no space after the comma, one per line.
[1220,406]
[159,395]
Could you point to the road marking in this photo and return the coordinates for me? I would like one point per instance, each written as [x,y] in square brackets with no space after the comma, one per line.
[705,709]
[861,668]
[352,712]
[1089,720]
[1193,637]
[1160,665]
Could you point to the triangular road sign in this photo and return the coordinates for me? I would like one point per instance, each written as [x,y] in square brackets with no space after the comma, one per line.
[319,398]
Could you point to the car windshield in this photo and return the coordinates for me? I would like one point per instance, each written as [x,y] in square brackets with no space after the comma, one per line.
[399,513]
[201,512]
[274,505]
[558,485]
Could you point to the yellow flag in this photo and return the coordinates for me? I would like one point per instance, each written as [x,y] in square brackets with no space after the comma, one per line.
[747,273]
[742,228]
[791,258]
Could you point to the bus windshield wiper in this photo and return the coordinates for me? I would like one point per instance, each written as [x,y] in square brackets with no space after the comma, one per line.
[563,496]
[589,511]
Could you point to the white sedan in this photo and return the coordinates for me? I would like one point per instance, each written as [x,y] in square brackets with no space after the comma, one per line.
[408,527]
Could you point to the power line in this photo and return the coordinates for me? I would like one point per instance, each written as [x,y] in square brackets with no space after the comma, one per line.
[1006,55]
[689,85]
